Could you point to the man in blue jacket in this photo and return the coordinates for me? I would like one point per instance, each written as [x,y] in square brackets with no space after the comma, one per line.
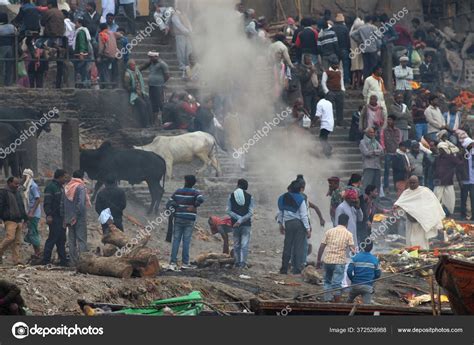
[362,272]
[294,224]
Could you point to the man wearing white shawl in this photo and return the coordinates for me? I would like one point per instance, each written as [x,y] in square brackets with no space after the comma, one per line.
[32,200]
[108,6]
[423,211]
[240,206]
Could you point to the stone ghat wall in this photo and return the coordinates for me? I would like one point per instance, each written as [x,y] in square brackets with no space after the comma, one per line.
[91,107]
[268,8]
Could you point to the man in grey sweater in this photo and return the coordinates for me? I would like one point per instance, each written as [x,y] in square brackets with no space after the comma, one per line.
[372,152]
[369,39]
[74,205]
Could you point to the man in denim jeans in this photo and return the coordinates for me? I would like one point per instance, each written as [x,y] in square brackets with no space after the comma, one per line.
[335,243]
[240,208]
[184,202]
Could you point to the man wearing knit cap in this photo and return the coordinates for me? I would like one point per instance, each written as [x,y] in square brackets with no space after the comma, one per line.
[351,207]
[343,38]
[159,75]
[403,78]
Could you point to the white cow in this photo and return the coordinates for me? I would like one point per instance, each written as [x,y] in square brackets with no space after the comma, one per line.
[184,148]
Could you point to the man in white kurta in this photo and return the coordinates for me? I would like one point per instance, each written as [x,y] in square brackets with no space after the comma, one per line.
[108,6]
[374,85]
[424,214]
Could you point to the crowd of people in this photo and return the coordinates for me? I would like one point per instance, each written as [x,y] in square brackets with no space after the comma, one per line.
[413,142]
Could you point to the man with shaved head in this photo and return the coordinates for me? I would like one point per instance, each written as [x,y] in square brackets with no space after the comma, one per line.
[423,212]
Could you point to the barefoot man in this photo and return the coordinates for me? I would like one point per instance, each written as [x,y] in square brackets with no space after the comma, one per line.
[423,211]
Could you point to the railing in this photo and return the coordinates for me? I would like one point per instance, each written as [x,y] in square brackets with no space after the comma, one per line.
[67,56]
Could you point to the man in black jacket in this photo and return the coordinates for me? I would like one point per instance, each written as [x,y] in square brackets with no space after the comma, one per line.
[240,207]
[429,73]
[52,208]
[114,198]
[344,41]
[11,302]
[28,18]
[306,41]
[13,214]
[92,19]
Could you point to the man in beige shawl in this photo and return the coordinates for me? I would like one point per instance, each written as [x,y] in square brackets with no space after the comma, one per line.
[423,211]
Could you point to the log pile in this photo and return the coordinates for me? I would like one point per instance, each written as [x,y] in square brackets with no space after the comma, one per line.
[138,261]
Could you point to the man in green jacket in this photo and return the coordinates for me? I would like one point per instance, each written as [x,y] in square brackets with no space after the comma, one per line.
[135,85]
[82,52]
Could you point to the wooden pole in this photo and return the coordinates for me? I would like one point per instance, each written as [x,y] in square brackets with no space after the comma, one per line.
[433,306]
[439,300]
[280,6]
[70,144]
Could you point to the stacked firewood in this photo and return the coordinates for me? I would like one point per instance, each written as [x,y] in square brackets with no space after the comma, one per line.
[121,257]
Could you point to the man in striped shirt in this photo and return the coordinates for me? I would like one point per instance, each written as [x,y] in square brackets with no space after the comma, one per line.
[184,202]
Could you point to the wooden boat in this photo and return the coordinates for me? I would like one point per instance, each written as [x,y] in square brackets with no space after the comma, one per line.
[261,307]
[457,278]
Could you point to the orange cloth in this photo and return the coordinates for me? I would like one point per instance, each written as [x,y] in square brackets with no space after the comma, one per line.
[380,80]
[70,190]
[104,36]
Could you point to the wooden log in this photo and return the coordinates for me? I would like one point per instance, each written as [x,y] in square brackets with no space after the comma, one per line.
[216,262]
[144,261]
[212,256]
[116,237]
[103,266]
[109,250]
[311,276]
[150,270]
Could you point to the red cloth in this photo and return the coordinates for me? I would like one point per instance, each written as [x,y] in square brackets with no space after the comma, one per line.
[215,221]
[404,37]
[351,194]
